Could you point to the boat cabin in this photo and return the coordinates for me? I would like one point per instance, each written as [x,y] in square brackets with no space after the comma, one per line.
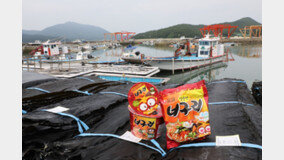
[205,44]
[50,49]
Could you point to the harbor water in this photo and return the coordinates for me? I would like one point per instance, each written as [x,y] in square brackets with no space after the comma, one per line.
[246,64]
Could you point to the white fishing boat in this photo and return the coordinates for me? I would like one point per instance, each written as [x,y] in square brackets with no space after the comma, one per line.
[209,52]
[87,47]
[209,71]
[86,55]
[79,57]
[149,43]
[49,49]
[131,55]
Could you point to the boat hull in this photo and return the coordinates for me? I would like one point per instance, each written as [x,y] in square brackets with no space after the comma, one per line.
[183,64]
[191,74]
[132,60]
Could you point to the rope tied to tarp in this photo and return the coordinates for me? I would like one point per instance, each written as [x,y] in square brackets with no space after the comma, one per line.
[158,146]
[230,102]
[81,125]
[83,92]
[213,144]
[75,90]
[124,95]
[211,103]
[39,89]
[233,81]
[86,79]
[257,88]
[24,112]
[163,153]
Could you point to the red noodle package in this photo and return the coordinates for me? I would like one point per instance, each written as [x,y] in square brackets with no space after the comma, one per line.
[146,117]
[185,112]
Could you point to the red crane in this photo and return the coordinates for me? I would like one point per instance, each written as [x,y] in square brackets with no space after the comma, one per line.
[124,35]
[217,29]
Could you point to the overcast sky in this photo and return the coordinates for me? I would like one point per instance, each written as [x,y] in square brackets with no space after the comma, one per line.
[136,15]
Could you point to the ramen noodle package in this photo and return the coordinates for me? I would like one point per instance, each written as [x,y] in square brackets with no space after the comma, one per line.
[185,112]
[146,117]
[145,127]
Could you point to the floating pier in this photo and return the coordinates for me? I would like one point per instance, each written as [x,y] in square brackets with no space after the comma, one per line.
[128,70]
[132,78]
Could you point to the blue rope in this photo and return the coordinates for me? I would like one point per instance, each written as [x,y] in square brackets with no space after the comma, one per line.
[158,146]
[116,136]
[124,95]
[251,145]
[247,104]
[86,92]
[86,79]
[79,122]
[213,144]
[39,89]
[228,81]
[230,102]
[257,88]
[161,151]
[24,112]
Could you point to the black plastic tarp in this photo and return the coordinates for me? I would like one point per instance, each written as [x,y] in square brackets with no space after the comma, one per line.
[52,136]
[256,89]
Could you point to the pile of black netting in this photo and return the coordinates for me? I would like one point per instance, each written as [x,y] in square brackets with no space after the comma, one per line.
[256,89]
[33,78]
[52,136]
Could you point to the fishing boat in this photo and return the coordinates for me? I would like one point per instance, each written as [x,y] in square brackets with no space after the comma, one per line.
[209,71]
[87,47]
[131,55]
[149,43]
[209,52]
[79,57]
[94,47]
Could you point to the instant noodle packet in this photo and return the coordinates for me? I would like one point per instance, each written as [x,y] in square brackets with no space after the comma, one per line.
[185,112]
[143,98]
[146,117]
[145,127]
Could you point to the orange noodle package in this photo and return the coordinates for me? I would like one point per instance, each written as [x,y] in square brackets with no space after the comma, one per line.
[185,112]
[145,111]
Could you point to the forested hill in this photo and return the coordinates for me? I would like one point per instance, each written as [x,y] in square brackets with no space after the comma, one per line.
[189,30]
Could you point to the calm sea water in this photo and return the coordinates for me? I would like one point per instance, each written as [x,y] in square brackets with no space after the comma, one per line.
[247,64]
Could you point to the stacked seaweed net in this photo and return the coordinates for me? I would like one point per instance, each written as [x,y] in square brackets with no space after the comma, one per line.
[256,89]
[52,136]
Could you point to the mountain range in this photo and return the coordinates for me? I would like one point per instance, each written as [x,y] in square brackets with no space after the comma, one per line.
[67,31]
[70,31]
[189,30]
